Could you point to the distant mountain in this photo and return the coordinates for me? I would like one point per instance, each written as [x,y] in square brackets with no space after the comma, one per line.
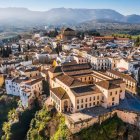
[60,16]
[133,18]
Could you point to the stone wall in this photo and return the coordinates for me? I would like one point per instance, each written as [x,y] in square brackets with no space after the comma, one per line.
[132,118]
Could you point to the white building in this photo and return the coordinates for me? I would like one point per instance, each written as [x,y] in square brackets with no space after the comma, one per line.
[100,63]
[127,64]
[71,46]
[122,41]
[26,88]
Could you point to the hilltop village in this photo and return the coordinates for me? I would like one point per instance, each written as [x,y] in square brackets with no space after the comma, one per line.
[87,79]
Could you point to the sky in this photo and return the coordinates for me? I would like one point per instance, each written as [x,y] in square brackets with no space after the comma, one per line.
[125,7]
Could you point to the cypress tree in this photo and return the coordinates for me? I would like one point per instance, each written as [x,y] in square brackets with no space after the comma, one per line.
[19,48]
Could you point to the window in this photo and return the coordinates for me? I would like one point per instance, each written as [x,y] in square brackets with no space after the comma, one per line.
[78,107]
[78,101]
[90,104]
[97,97]
[97,102]
[86,99]
[120,90]
[81,106]
[90,99]
[110,93]
[113,99]
[102,97]
[81,100]
[85,105]
[116,92]
[94,98]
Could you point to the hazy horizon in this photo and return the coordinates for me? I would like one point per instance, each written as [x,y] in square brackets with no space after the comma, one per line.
[131,6]
[65,8]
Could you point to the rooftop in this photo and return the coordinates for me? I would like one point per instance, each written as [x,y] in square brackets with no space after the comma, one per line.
[85,90]
[60,93]
[108,84]
[122,75]
[69,81]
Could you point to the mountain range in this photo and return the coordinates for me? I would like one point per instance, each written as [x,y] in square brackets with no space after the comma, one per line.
[62,16]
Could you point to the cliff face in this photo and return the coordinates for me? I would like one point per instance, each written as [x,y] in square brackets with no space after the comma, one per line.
[112,129]
[51,126]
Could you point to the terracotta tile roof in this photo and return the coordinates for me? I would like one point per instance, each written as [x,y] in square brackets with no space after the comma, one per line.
[108,84]
[76,67]
[122,75]
[80,72]
[117,81]
[60,93]
[104,38]
[69,81]
[34,81]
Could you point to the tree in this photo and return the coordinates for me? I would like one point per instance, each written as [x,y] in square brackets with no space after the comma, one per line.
[17,130]
[46,88]
[7,51]
[10,50]
[38,125]
[137,41]
[4,52]
[19,48]
[28,46]
[6,129]
[62,133]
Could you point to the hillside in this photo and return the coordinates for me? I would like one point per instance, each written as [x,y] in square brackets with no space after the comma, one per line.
[107,24]
[60,16]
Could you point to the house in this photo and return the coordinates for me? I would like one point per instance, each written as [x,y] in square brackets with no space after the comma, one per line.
[26,88]
[29,71]
[127,64]
[80,59]
[70,46]
[122,41]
